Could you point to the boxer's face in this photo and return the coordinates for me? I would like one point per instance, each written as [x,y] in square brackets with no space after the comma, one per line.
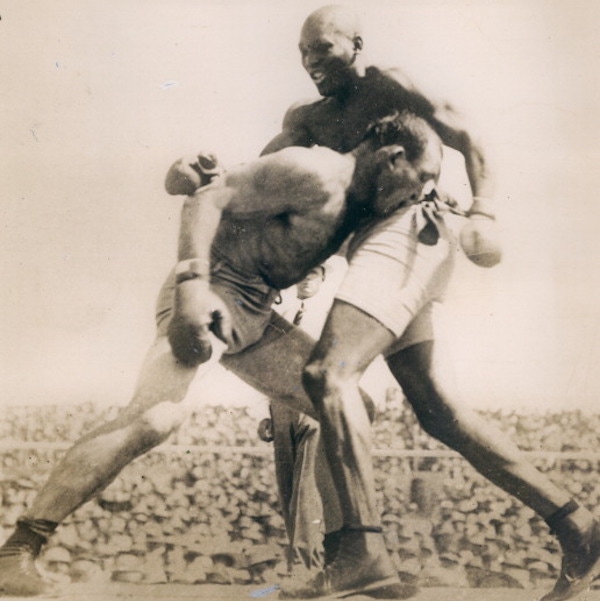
[327,55]
[400,181]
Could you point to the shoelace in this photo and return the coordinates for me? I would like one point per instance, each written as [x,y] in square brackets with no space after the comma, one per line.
[431,209]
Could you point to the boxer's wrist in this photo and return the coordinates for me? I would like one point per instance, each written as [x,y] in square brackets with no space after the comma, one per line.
[482,207]
[192,269]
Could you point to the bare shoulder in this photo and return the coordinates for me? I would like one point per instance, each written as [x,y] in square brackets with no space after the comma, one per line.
[421,89]
[312,175]
[398,76]
[300,120]
[299,112]
[291,165]
[304,161]
[296,127]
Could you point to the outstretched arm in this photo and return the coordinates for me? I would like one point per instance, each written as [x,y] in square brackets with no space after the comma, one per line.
[196,308]
[450,126]
[200,218]
[293,132]
[292,181]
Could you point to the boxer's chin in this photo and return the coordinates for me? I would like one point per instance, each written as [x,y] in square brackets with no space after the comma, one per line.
[386,205]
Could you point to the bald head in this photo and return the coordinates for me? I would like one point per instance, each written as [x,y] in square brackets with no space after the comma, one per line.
[334,19]
[330,45]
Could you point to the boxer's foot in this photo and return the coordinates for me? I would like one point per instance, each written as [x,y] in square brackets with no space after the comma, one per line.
[18,575]
[361,566]
[580,565]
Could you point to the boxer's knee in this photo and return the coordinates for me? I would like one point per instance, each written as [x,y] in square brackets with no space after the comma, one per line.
[330,384]
[314,379]
[326,384]
[154,425]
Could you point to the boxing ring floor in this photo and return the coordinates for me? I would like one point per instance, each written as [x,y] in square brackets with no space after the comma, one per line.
[219,592]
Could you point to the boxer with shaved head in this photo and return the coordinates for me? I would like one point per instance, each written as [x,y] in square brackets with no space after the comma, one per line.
[398,271]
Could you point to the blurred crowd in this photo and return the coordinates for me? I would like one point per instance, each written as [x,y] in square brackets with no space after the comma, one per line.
[203,511]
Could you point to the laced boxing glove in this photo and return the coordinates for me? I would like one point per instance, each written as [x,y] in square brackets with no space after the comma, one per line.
[479,236]
[189,326]
[188,174]
[197,311]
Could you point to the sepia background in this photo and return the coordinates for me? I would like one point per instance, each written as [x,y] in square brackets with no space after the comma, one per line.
[99,98]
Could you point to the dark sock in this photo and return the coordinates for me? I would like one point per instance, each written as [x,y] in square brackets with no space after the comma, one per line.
[556,520]
[29,535]
[375,529]
[331,545]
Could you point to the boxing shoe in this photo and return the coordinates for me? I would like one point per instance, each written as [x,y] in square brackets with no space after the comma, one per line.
[356,569]
[580,565]
[18,575]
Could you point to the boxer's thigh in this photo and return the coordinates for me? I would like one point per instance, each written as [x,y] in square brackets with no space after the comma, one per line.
[391,275]
[350,341]
[275,363]
[162,386]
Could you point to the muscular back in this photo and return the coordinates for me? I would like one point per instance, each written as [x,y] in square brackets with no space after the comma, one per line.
[285,213]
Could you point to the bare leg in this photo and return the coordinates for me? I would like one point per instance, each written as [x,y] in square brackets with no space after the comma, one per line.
[495,456]
[97,458]
[275,366]
[349,342]
[94,461]
[489,450]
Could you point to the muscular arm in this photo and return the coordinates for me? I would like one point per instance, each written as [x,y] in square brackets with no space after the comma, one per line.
[387,91]
[200,218]
[450,127]
[293,132]
[196,308]
[453,134]
[252,189]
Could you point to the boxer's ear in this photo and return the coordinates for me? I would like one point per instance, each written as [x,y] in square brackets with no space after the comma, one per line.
[358,44]
[387,156]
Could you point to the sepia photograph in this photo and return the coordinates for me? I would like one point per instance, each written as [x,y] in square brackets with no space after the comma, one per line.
[301,300]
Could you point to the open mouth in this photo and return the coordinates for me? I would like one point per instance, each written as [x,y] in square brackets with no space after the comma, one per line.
[317,76]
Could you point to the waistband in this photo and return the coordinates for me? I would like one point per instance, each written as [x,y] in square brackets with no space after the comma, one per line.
[220,265]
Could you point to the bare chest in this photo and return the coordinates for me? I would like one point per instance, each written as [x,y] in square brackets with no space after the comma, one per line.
[342,125]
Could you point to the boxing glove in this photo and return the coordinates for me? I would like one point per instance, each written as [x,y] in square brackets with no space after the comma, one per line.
[197,311]
[188,174]
[479,237]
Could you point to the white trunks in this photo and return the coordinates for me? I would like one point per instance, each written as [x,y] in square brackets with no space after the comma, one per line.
[395,278]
